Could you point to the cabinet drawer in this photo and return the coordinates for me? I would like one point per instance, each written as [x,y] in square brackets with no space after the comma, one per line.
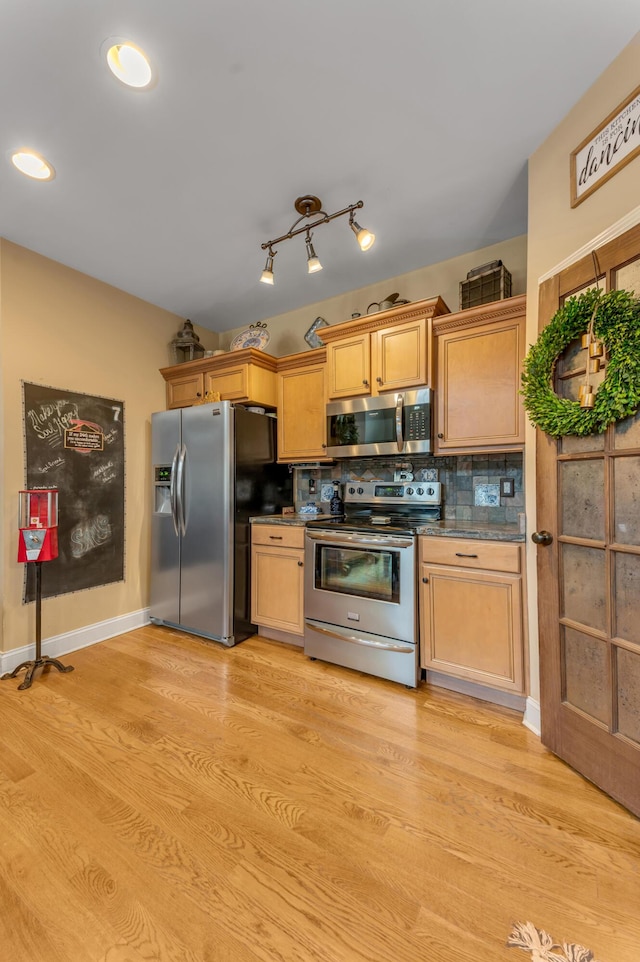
[278,535]
[467,553]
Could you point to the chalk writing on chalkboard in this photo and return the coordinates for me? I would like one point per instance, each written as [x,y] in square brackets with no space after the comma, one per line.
[75,443]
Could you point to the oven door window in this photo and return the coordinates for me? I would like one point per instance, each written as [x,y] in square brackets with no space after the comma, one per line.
[363,572]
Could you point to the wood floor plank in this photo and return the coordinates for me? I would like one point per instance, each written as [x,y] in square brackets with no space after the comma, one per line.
[172,799]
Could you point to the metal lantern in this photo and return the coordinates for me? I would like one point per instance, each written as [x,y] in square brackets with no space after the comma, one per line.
[186,344]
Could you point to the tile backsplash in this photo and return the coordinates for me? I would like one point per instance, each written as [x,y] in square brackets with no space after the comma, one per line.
[470,483]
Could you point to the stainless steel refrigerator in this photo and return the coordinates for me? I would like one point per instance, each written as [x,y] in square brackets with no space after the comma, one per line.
[213,467]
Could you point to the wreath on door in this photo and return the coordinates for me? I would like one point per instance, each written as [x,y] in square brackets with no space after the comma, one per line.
[615,321]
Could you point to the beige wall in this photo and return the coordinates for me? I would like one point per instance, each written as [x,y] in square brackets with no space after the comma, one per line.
[443,279]
[61,328]
[556,231]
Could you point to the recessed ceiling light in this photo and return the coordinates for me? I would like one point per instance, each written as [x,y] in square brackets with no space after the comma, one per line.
[32,164]
[128,62]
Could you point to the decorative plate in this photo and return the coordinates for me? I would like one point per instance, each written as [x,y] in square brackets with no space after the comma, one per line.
[313,339]
[256,336]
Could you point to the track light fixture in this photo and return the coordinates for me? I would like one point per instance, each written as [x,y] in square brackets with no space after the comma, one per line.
[309,206]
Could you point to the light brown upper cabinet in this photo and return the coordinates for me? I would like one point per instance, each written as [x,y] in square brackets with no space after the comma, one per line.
[301,406]
[247,376]
[387,351]
[478,369]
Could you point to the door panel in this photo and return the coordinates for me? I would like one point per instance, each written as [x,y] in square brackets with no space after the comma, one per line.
[207,573]
[589,577]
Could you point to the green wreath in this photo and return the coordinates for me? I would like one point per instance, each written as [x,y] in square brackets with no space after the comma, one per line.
[617,325]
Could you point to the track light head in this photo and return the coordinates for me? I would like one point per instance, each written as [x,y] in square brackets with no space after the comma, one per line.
[313,263]
[364,237]
[267,275]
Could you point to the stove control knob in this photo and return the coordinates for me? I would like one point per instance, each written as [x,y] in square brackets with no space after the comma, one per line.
[420,491]
[352,490]
[409,491]
[429,490]
[360,490]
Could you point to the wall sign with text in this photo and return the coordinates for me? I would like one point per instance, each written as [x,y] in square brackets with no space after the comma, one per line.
[612,144]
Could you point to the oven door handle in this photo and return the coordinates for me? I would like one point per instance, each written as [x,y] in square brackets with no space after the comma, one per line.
[366,541]
[403,649]
[399,435]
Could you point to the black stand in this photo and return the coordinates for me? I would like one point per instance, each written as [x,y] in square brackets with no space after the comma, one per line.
[41,661]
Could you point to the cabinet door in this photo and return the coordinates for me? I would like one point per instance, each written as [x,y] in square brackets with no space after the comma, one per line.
[400,357]
[276,588]
[301,414]
[233,384]
[184,390]
[471,625]
[478,384]
[349,367]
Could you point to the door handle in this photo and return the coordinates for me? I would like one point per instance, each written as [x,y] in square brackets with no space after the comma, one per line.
[399,437]
[542,537]
[173,487]
[182,515]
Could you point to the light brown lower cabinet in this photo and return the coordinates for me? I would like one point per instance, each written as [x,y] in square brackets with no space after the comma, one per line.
[471,611]
[277,577]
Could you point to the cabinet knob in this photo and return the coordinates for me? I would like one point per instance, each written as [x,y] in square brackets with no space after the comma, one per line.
[425,581]
[300,564]
[323,445]
[198,394]
[364,381]
[441,435]
[542,537]
[379,380]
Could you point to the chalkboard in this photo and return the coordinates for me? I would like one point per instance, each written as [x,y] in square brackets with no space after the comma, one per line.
[75,443]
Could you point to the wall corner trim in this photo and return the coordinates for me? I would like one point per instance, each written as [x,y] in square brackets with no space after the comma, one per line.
[59,645]
[531,719]
[614,230]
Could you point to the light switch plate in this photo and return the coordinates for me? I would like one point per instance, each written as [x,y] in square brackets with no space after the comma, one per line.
[507,487]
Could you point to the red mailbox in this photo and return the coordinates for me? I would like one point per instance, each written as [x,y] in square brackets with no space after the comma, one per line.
[38,522]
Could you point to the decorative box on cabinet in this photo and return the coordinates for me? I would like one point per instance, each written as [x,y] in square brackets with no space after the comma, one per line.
[247,376]
[471,612]
[277,578]
[479,365]
[386,351]
[301,406]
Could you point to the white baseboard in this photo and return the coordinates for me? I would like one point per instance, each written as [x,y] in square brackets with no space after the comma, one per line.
[74,640]
[532,716]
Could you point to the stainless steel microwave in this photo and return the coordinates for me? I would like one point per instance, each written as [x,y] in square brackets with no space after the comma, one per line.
[390,424]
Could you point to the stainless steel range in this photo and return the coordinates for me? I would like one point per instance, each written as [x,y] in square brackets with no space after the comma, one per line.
[360,579]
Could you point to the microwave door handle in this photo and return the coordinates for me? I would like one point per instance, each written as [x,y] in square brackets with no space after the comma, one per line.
[399,408]
[173,487]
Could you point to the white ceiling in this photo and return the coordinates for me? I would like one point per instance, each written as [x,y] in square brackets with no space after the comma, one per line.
[424,109]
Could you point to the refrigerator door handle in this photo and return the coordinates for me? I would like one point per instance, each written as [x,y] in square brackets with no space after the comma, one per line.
[182,519]
[173,492]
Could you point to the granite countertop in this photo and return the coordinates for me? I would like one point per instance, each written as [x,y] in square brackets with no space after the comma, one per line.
[296,519]
[480,530]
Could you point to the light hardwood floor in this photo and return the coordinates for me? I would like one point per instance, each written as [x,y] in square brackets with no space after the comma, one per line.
[174,800]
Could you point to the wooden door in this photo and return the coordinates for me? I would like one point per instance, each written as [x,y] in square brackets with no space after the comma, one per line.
[349,366]
[400,356]
[301,408]
[478,381]
[589,574]
[183,390]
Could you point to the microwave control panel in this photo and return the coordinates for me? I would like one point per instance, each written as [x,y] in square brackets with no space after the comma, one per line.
[417,422]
